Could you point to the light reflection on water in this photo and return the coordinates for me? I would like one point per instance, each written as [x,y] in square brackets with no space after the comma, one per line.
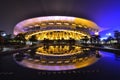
[57,57]
[59,49]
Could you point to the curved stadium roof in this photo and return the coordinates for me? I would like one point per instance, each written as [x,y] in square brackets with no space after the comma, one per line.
[19,28]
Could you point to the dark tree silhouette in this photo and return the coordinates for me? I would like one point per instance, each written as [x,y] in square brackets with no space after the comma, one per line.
[95,39]
[117,35]
[85,39]
[33,38]
[20,37]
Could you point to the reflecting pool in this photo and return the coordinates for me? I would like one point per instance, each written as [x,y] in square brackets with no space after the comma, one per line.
[57,57]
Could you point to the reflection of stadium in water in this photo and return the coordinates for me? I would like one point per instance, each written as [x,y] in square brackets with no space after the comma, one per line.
[58,49]
[56,57]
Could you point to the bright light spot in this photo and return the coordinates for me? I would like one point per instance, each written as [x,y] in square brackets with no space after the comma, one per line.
[108,34]
[96,33]
[103,38]
[3,34]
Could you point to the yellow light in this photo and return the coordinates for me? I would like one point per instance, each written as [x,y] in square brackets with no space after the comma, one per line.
[57,34]
[56,50]
[51,23]
[58,23]
[73,24]
[42,24]
[67,24]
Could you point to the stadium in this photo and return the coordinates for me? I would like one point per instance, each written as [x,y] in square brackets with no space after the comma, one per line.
[56,28]
[63,32]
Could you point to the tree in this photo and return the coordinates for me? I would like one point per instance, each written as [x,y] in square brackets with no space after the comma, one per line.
[95,39]
[33,38]
[1,40]
[110,38]
[1,43]
[20,37]
[117,35]
[85,39]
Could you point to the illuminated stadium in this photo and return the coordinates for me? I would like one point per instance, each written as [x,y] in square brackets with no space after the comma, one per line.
[60,55]
[56,28]
[60,39]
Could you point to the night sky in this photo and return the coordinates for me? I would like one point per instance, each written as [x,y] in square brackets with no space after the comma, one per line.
[105,13]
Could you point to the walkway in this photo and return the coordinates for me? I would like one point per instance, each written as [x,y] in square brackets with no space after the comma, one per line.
[106,49]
